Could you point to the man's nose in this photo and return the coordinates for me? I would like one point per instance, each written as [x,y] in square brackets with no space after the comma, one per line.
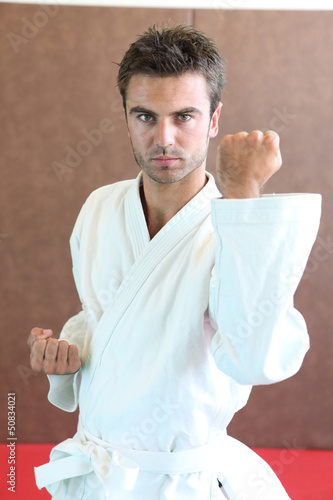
[164,134]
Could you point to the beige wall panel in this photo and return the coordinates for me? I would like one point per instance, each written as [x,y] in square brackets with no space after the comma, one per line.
[280,73]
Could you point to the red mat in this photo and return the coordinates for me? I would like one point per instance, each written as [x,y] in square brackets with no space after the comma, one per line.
[306,474]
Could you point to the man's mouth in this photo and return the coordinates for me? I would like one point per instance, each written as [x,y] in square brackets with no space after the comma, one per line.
[165,161]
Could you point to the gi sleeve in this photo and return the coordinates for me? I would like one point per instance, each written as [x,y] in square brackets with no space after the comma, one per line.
[263,245]
[64,389]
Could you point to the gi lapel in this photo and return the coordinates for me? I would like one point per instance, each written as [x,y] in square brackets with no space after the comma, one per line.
[149,255]
[135,219]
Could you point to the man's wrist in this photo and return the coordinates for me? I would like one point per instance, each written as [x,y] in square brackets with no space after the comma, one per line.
[238,192]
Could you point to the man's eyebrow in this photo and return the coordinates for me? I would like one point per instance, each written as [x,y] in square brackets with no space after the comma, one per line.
[184,111]
[139,109]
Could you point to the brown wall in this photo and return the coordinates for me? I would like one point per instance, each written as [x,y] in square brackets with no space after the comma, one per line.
[59,80]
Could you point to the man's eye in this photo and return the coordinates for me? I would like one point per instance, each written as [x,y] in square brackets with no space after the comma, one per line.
[145,117]
[184,118]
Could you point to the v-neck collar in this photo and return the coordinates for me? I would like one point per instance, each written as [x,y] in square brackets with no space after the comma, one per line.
[136,221]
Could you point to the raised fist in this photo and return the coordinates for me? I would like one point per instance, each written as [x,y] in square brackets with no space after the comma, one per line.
[51,356]
[246,161]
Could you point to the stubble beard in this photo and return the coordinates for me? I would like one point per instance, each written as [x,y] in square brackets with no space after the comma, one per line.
[169,175]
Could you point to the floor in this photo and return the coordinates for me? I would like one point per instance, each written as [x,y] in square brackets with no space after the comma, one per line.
[305,474]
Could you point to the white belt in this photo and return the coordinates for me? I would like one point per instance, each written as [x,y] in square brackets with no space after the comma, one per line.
[118,466]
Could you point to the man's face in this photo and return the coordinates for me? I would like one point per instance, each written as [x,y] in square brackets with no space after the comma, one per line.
[169,124]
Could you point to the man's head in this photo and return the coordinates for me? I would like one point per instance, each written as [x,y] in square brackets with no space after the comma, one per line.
[174,51]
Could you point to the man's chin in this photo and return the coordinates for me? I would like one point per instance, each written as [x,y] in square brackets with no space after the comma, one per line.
[166,175]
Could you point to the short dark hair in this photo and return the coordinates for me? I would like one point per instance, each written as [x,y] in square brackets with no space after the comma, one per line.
[174,51]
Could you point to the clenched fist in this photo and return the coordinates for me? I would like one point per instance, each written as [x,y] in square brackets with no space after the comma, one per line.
[246,161]
[52,356]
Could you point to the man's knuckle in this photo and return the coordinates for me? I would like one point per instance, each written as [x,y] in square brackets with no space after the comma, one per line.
[255,136]
[63,346]
[39,344]
[52,342]
[241,135]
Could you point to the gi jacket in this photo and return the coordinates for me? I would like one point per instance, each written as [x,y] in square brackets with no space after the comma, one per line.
[174,332]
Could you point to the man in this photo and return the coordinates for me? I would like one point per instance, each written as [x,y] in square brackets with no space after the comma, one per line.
[187,296]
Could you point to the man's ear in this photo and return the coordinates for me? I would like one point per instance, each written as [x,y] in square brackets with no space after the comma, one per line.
[214,122]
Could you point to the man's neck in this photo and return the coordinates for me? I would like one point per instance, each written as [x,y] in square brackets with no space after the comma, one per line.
[161,202]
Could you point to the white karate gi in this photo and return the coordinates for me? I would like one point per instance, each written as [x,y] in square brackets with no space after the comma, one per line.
[173,333]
